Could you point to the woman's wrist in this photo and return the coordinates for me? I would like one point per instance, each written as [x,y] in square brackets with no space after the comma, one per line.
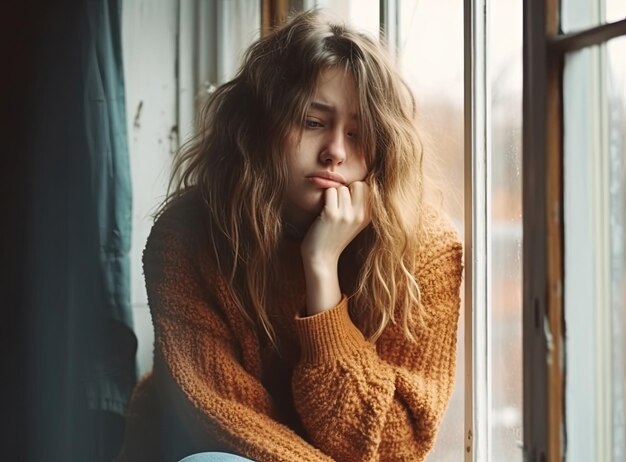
[322,287]
[319,263]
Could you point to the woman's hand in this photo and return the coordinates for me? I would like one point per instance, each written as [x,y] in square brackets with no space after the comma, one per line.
[345,214]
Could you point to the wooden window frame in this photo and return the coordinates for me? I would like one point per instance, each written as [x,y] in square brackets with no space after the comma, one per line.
[545,46]
[273,13]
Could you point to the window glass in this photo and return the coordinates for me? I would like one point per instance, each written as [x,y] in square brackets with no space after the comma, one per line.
[616,92]
[595,261]
[363,15]
[615,10]
[581,14]
[505,337]
[430,52]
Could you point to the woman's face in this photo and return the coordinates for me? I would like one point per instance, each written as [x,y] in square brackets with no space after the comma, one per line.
[328,153]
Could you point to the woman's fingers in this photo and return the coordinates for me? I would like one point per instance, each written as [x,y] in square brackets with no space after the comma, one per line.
[344,198]
[359,192]
[345,214]
[331,202]
[347,198]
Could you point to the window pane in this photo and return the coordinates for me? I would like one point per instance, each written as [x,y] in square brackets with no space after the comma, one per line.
[435,74]
[616,51]
[363,15]
[505,78]
[595,197]
[615,10]
[582,14]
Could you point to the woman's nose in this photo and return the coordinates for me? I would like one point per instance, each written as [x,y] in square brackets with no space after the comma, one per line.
[334,150]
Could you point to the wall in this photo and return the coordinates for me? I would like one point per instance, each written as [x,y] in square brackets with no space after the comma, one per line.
[149,29]
[174,51]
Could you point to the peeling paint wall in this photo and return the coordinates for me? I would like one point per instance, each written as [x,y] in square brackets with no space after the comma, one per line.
[173,52]
[149,30]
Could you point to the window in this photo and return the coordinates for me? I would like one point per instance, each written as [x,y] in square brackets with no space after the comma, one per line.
[574,262]
[493,215]
[594,200]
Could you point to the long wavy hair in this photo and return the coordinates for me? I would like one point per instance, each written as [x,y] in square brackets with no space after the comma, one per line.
[238,165]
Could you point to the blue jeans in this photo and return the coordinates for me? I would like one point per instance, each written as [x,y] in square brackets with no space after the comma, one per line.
[214,457]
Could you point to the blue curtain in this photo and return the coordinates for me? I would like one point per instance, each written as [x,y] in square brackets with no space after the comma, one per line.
[69,333]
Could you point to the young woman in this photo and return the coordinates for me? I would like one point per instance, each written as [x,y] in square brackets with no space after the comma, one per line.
[304,297]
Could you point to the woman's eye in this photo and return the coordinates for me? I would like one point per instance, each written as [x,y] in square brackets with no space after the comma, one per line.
[310,123]
[353,135]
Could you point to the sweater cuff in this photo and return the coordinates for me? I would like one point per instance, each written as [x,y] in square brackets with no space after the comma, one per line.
[329,335]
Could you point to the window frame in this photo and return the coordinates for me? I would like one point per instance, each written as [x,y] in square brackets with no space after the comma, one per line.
[477,250]
[545,435]
[542,258]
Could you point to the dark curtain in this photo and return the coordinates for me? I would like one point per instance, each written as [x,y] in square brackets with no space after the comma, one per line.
[66,220]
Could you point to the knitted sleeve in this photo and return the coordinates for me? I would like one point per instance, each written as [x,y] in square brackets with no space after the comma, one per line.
[364,402]
[202,363]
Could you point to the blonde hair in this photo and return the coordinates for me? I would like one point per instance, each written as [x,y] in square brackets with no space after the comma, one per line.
[237,164]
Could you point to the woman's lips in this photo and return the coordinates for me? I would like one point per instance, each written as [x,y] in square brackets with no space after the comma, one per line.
[326,179]
[322,182]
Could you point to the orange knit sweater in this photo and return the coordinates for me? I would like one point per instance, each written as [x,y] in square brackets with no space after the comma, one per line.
[328,394]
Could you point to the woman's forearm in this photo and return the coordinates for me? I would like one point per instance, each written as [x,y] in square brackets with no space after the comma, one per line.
[322,287]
